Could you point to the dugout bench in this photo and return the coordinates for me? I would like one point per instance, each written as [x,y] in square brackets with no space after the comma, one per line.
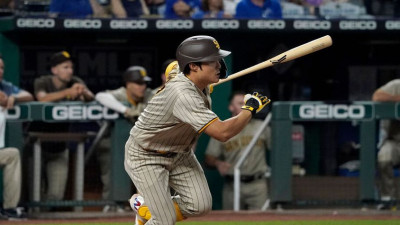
[120,189]
[364,112]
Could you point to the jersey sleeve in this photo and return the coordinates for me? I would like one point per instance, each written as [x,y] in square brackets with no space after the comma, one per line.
[191,109]
[119,94]
[214,148]
[39,85]
[392,87]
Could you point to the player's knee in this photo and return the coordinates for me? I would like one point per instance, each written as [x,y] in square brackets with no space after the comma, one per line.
[204,206]
[14,154]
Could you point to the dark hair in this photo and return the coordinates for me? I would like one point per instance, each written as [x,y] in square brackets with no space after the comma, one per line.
[1,56]
[187,68]
[205,5]
[233,94]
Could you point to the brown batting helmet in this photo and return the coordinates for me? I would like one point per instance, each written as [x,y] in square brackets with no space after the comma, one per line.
[136,74]
[201,49]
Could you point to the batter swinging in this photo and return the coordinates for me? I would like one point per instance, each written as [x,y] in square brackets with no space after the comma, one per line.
[158,153]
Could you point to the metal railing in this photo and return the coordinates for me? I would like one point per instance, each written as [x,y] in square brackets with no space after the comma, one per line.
[236,173]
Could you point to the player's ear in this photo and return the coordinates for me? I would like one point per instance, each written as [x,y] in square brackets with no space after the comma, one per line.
[230,107]
[193,67]
[53,70]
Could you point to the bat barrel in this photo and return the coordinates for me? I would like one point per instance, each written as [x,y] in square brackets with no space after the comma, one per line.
[294,53]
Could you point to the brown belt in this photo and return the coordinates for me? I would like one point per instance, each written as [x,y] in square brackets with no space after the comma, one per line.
[164,153]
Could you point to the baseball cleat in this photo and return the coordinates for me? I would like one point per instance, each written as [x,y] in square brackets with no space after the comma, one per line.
[141,213]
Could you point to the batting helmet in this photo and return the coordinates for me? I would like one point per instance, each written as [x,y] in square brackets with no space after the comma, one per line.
[201,49]
[136,74]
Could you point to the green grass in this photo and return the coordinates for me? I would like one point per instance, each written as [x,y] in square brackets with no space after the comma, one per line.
[325,222]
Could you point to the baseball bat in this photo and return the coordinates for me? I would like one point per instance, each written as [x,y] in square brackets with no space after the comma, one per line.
[287,56]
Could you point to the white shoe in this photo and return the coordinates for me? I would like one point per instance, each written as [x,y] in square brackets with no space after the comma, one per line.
[135,202]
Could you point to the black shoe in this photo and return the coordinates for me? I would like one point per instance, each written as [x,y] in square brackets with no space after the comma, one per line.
[386,205]
[13,214]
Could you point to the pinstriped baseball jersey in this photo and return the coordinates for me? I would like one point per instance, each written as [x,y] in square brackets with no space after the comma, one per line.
[174,118]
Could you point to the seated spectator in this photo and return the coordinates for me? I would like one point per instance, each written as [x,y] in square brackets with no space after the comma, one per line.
[211,9]
[61,85]
[110,8]
[230,6]
[71,8]
[181,8]
[10,160]
[156,7]
[136,8]
[126,8]
[88,8]
[253,9]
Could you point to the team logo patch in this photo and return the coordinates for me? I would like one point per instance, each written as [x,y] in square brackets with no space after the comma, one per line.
[280,60]
[216,44]
[65,54]
[137,204]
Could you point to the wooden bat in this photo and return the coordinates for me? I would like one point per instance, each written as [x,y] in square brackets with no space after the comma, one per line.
[287,56]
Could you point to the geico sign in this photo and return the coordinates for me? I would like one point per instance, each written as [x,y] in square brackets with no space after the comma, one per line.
[128,24]
[93,112]
[392,25]
[358,25]
[332,111]
[174,24]
[36,23]
[220,24]
[309,24]
[266,24]
[85,23]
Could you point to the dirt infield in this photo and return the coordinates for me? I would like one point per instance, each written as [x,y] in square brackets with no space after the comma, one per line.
[270,215]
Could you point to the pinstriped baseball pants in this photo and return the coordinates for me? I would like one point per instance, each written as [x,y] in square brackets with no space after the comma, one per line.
[154,173]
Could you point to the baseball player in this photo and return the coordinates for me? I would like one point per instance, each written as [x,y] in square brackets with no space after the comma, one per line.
[223,156]
[389,151]
[158,153]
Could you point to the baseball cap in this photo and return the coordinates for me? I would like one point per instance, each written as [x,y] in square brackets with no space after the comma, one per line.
[59,57]
[136,74]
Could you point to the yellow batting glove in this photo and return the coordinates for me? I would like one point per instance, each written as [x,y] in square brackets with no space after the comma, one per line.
[255,102]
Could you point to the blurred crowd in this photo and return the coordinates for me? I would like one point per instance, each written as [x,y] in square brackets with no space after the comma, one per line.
[200,9]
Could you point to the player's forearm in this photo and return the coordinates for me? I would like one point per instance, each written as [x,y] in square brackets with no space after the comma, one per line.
[118,9]
[224,130]
[381,96]
[52,97]
[23,96]
[110,101]
[237,123]
[88,96]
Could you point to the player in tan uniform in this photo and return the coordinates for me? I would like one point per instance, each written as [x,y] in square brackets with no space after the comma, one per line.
[158,153]
[389,151]
[223,156]
[135,94]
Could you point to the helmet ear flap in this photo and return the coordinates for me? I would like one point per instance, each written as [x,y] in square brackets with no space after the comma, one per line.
[223,71]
